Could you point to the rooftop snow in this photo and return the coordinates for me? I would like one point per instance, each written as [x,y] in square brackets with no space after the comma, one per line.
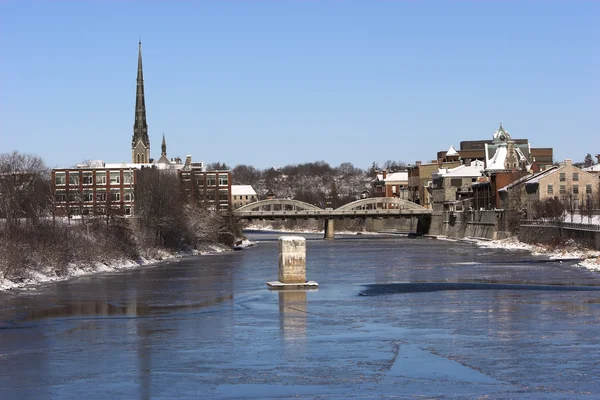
[242,190]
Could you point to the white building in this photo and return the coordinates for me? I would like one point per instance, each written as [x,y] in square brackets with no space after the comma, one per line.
[242,195]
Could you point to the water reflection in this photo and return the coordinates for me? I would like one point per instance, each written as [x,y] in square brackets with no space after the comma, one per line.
[292,314]
[106,308]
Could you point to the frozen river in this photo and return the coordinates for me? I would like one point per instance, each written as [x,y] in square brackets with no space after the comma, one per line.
[393,317]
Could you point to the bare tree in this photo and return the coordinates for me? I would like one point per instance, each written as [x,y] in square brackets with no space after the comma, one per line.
[159,207]
[24,188]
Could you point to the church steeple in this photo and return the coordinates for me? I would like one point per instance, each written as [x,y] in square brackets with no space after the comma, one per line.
[140,143]
[163,147]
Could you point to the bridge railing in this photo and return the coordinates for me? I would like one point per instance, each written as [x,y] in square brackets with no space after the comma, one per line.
[568,225]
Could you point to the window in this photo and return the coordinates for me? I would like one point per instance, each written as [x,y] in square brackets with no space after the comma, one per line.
[575,176]
[185,176]
[73,196]
[223,195]
[101,178]
[223,207]
[223,180]
[60,195]
[211,180]
[128,195]
[73,178]
[588,189]
[60,178]
[563,177]
[128,177]
[454,182]
[101,194]
[199,179]
[115,195]
[563,189]
[550,190]
[88,195]
[575,189]
[87,178]
[246,197]
[115,177]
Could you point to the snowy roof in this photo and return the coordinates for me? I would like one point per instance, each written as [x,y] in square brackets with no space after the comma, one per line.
[463,171]
[394,177]
[397,176]
[451,151]
[593,168]
[497,161]
[241,190]
[140,166]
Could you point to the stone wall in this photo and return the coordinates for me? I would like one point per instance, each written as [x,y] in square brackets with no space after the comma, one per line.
[555,235]
[487,224]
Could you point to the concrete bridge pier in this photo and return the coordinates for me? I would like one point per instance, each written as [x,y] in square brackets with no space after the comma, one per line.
[329,229]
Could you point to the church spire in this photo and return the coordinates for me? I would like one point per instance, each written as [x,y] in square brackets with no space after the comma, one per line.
[163,147]
[140,143]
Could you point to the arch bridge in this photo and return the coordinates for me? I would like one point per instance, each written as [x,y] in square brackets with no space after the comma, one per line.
[373,207]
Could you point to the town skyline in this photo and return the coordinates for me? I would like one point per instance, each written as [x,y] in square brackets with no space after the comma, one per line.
[348,85]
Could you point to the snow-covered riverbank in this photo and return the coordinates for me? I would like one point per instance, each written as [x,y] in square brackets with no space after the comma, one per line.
[570,250]
[36,277]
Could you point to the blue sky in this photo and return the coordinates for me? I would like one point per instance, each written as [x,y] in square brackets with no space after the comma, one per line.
[271,83]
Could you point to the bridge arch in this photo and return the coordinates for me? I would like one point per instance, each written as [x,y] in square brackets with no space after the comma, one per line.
[278,204]
[378,203]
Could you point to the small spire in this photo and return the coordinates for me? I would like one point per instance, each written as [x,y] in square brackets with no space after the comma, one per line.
[164,146]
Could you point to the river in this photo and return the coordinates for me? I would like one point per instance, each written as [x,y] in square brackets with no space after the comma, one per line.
[393,317]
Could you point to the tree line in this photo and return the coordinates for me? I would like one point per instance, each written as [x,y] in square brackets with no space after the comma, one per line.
[316,182]
[33,237]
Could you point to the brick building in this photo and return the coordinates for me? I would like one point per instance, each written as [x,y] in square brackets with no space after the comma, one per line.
[95,189]
[394,184]
[210,189]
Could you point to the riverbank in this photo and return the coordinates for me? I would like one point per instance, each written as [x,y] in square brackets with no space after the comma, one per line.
[46,275]
[570,250]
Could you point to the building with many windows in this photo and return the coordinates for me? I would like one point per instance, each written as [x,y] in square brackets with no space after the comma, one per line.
[210,189]
[94,189]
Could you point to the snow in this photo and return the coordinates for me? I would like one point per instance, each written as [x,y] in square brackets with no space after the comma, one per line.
[590,259]
[48,275]
[497,161]
[242,190]
[451,151]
